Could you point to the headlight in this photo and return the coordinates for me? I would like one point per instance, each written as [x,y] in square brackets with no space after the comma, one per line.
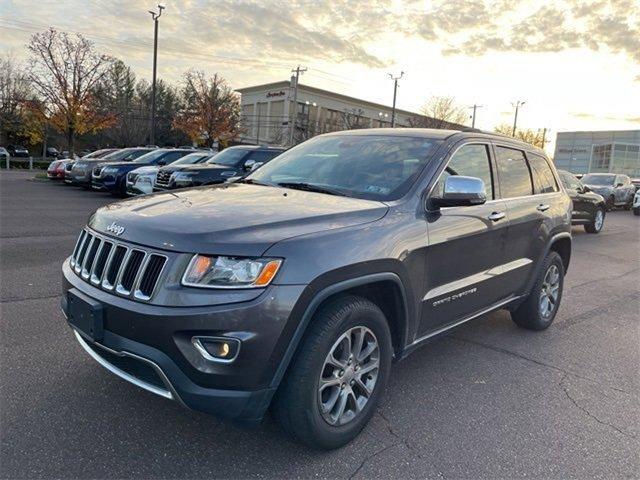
[145,179]
[230,272]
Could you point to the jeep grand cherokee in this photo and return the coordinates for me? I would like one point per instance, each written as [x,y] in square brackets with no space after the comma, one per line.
[296,287]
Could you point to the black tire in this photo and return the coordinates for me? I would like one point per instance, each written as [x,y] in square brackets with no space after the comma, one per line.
[528,314]
[636,211]
[296,405]
[591,227]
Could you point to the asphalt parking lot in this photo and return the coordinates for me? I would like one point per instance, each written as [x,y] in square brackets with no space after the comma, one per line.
[488,401]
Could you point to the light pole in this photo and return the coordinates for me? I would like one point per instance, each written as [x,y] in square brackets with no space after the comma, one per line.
[518,104]
[473,121]
[155,16]
[395,93]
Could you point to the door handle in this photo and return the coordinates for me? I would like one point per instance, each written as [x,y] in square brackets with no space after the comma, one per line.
[495,216]
[543,207]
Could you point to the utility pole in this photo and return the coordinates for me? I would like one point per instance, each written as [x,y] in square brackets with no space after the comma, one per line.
[155,16]
[294,113]
[258,125]
[473,121]
[395,92]
[544,137]
[517,105]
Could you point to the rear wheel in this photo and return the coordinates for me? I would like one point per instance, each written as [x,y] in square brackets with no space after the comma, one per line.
[539,309]
[334,383]
[597,221]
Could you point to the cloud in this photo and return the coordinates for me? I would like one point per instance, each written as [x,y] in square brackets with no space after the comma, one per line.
[553,28]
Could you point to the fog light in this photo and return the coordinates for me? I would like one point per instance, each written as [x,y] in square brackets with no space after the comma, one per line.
[217,349]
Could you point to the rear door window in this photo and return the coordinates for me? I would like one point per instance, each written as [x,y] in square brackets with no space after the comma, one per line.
[513,172]
[543,179]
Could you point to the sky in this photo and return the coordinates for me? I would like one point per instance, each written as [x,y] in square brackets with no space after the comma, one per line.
[575,63]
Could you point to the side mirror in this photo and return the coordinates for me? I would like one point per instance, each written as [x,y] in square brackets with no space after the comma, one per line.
[256,166]
[461,191]
[162,163]
[248,165]
[585,189]
[619,184]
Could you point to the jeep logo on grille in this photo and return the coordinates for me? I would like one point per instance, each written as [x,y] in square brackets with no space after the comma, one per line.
[116,229]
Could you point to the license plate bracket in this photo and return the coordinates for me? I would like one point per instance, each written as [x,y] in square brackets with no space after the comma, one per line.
[85,314]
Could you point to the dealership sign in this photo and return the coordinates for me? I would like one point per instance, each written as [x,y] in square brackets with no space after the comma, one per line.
[279,93]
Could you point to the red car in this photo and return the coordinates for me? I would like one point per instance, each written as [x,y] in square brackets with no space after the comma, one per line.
[56,169]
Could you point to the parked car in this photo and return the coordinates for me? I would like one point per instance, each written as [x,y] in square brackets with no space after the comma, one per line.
[112,176]
[589,208]
[297,286]
[4,154]
[636,203]
[81,171]
[636,183]
[52,152]
[141,180]
[231,162]
[617,190]
[52,172]
[17,151]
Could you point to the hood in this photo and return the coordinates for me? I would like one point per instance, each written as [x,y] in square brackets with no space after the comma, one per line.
[231,219]
[149,169]
[176,168]
[599,188]
[131,165]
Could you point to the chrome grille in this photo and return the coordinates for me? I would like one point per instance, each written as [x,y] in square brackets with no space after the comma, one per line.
[113,266]
[96,171]
[162,179]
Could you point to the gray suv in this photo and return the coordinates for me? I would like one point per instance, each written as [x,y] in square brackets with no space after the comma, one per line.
[296,288]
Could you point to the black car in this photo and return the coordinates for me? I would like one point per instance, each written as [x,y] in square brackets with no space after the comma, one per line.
[296,287]
[232,162]
[52,152]
[17,151]
[80,172]
[112,176]
[589,208]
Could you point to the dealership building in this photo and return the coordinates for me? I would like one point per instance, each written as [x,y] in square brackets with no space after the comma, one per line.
[616,151]
[267,113]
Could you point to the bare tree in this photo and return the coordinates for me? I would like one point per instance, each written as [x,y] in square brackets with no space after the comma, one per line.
[15,93]
[64,70]
[354,119]
[440,112]
[534,137]
[211,109]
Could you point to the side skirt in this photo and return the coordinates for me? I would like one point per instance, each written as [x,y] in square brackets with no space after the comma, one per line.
[439,331]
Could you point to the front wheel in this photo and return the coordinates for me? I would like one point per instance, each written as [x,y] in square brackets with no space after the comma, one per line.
[539,309]
[337,377]
[597,221]
[636,211]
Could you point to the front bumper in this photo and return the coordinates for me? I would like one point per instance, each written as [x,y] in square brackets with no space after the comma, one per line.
[160,338]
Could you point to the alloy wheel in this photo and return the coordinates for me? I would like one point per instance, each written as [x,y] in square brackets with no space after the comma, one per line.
[599,220]
[349,375]
[550,291]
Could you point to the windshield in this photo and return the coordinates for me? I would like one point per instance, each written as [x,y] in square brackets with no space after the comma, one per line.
[151,156]
[126,154]
[604,180]
[192,158]
[229,157]
[373,167]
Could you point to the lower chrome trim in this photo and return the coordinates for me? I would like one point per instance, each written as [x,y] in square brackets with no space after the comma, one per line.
[476,278]
[440,330]
[124,375]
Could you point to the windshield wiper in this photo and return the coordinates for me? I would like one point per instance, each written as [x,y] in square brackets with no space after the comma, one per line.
[309,187]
